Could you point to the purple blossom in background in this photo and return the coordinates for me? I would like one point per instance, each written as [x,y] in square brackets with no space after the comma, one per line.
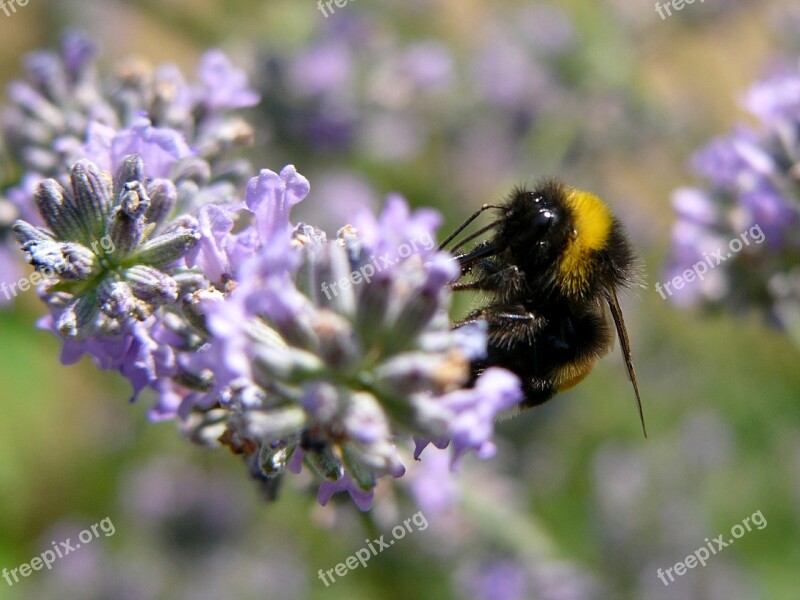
[222,86]
[777,99]
[752,187]
[180,532]
[359,88]
[646,515]
[499,580]
[163,494]
[546,579]
[428,65]
[433,485]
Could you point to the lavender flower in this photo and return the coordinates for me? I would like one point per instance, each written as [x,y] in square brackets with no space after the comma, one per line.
[54,106]
[63,112]
[111,262]
[271,340]
[753,186]
[258,334]
[326,356]
[51,112]
[100,247]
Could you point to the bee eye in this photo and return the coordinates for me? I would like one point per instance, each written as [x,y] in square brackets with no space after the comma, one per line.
[542,220]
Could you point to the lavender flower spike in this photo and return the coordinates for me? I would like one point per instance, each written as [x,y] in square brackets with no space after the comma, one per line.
[100,250]
[748,213]
[325,355]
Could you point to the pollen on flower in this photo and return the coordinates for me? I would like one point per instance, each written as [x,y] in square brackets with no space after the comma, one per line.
[453,371]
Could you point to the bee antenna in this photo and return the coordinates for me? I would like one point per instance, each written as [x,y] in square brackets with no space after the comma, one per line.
[464,225]
[472,236]
[625,345]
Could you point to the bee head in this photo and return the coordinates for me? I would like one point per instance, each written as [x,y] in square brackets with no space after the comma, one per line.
[534,226]
[566,237]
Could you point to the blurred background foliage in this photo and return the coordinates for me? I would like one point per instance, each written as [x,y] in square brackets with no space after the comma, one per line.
[450,103]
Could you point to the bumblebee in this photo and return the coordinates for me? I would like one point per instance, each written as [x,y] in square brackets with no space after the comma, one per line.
[549,271]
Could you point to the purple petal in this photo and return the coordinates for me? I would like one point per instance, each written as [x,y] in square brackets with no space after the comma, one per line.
[475,410]
[134,353]
[78,51]
[433,484]
[695,205]
[99,138]
[397,226]
[776,99]
[222,86]
[271,197]
[159,147]
[362,499]
[215,224]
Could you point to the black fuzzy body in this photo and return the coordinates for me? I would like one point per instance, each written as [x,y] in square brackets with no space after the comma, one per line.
[538,327]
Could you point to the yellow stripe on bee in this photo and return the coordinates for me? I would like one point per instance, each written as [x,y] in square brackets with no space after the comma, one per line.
[571,374]
[592,221]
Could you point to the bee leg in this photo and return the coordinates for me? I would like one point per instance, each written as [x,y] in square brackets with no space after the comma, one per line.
[514,343]
[509,329]
[506,328]
[483,314]
[509,277]
[466,285]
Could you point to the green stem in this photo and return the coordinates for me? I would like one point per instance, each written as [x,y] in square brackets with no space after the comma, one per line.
[525,535]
